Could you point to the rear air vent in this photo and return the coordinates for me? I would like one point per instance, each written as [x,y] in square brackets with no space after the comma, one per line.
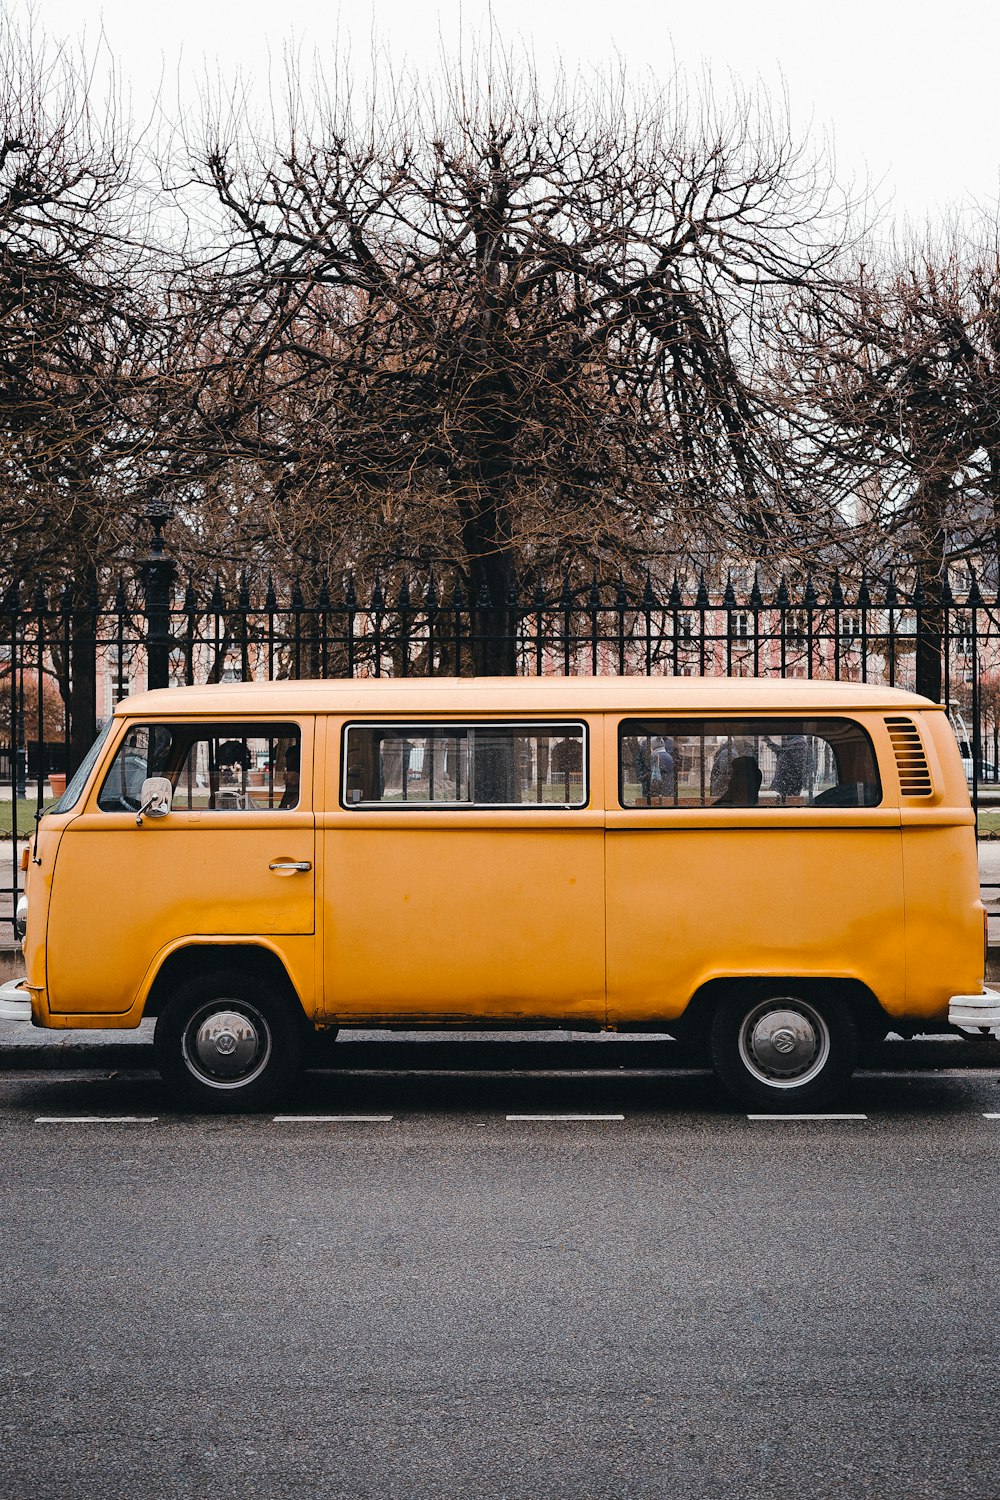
[911,762]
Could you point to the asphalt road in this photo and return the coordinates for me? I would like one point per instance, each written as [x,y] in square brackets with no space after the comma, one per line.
[683,1302]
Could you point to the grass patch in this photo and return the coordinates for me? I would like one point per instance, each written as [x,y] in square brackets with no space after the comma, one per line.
[25,817]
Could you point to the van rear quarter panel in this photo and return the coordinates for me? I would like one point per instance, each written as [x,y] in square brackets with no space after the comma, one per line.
[720,893]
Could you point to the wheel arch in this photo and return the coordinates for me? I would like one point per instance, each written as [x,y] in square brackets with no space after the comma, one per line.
[190,959]
[868,1014]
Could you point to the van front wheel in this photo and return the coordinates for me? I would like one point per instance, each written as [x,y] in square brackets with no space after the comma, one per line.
[782,1049]
[227,1042]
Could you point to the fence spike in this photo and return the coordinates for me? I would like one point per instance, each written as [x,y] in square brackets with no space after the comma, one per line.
[621,596]
[350,594]
[218,603]
[702,601]
[648,597]
[864,594]
[728,596]
[243,595]
[566,594]
[41,602]
[190,599]
[836,592]
[891,592]
[484,599]
[919,597]
[783,598]
[538,597]
[298,603]
[121,598]
[431,594]
[513,597]
[457,595]
[975,600]
[594,600]
[270,598]
[403,599]
[810,598]
[947,597]
[756,596]
[378,598]
[66,599]
[323,598]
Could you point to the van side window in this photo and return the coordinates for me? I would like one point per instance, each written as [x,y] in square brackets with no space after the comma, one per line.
[465,765]
[692,763]
[213,767]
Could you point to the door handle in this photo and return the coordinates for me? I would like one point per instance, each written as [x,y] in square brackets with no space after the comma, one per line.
[295,864]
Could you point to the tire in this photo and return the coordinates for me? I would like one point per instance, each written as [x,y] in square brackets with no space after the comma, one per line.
[783,1049]
[691,1037]
[228,1042]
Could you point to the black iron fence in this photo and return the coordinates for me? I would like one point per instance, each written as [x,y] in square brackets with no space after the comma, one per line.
[65,660]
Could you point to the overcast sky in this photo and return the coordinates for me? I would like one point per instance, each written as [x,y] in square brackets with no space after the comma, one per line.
[908,88]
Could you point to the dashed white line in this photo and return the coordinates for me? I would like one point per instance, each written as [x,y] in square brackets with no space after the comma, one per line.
[562,1118]
[332,1119]
[807,1117]
[990,1117]
[96,1119]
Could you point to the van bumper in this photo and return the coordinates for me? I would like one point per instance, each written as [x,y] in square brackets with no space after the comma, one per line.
[975,1013]
[15,1001]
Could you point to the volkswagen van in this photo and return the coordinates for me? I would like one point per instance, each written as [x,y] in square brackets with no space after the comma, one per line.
[775,872]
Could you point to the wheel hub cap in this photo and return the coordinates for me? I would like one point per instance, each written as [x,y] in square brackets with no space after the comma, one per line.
[784,1044]
[226,1044]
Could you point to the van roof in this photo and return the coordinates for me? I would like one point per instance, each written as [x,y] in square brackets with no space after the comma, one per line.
[519,695]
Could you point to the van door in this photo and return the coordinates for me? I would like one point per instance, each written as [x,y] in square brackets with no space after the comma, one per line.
[234,857]
[464,872]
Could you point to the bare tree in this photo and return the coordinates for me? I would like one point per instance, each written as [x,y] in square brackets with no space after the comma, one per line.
[516,332]
[886,382]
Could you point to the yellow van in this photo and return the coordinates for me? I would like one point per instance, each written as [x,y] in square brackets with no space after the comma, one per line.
[773,871]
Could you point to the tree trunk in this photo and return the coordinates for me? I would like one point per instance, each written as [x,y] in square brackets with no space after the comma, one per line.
[494,642]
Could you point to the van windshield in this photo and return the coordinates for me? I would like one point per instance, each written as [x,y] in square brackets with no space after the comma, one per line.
[77,782]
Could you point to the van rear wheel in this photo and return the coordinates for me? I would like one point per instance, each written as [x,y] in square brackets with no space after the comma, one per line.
[228,1042]
[783,1049]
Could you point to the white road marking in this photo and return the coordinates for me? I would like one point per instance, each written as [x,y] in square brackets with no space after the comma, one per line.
[991,1117]
[329,1119]
[807,1117]
[96,1119]
[565,1117]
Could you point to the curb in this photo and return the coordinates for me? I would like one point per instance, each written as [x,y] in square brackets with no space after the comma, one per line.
[485,1053]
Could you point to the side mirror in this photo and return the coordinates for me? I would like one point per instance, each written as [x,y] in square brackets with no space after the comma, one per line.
[155,799]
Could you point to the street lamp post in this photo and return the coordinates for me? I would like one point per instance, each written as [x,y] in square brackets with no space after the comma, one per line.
[157,573]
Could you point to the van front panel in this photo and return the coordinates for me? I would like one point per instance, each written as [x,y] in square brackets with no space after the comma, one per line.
[126,891]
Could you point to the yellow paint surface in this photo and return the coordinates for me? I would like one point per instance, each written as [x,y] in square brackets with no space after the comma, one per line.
[591,915]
